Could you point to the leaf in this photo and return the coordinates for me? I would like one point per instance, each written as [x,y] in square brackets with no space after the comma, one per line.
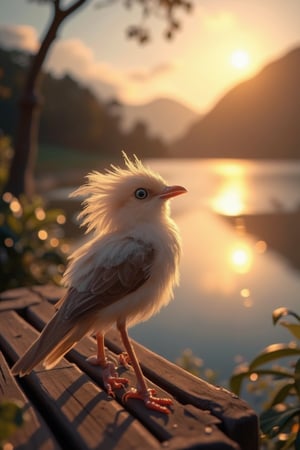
[297,377]
[290,442]
[272,352]
[293,328]
[14,224]
[281,394]
[236,380]
[297,441]
[51,214]
[274,420]
[282,312]
[11,417]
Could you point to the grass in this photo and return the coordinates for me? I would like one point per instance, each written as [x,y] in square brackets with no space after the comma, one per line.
[51,157]
[60,166]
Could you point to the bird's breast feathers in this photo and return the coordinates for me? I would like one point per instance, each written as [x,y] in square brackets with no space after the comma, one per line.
[124,276]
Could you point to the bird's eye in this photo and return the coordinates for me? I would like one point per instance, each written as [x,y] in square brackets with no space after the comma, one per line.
[141,193]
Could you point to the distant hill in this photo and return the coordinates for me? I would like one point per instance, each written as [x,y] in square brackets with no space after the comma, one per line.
[72,117]
[259,118]
[164,117]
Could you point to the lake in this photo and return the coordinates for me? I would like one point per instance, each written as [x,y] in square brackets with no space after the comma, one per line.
[231,280]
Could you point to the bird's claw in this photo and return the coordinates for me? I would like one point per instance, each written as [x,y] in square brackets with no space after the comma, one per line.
[112,383]
[124,360]
[111,379]
[110,376]
[149,399]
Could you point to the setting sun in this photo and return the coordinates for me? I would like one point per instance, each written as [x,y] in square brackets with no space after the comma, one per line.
[240,59]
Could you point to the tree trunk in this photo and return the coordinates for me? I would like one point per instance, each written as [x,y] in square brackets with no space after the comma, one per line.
[20,179]
[21,173]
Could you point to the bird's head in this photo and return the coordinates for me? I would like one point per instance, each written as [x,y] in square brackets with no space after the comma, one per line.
[122,197]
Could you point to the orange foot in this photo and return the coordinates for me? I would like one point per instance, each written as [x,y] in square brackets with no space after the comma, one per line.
[151,402]
[124,360]
[111,379]
[110,376]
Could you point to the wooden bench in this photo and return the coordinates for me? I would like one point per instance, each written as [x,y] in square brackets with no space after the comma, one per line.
[67,407]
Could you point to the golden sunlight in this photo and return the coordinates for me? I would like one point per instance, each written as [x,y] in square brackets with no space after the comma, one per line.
[229,201]
[241,257]
[240,59]
[230,197]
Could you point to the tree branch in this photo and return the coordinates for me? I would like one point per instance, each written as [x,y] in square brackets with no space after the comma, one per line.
[73,7]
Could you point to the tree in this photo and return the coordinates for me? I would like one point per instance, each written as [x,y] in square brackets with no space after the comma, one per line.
[21,178]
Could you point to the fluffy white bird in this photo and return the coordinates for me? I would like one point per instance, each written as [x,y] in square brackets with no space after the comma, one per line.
[123,274]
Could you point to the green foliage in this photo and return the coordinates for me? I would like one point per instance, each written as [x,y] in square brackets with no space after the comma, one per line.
[6,153]
[11,418]
[31,245]
[279,420]
[167,9]
[30,242]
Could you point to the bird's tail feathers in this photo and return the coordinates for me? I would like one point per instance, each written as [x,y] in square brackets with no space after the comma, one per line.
[55,340]
[61,349]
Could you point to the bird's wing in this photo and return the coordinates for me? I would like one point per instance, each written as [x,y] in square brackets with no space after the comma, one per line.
[110,284]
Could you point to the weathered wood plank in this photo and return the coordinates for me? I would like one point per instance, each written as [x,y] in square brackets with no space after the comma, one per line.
[235,414]
[194,396]
[77,408]
[239,421]
[184,421]
[15,293]
[20,298]
[49,292]
[34,434]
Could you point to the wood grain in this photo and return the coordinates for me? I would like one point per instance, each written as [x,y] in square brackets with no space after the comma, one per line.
[77,409]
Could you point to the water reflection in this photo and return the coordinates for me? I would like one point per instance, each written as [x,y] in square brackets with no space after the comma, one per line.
[231,280]
[230,197]
[246,297]
[277,225]
[241,257]
[237,242]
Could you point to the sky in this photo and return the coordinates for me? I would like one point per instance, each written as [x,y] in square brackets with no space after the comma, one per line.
[220,44]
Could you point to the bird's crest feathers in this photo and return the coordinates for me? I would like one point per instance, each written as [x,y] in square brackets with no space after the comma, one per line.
[103,191]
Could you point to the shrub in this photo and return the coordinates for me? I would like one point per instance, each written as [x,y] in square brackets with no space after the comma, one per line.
[279,419]
[32,250]
[11,418]
[31,246]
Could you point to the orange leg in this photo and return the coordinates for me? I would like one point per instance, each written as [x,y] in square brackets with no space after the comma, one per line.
[100,358]
[110,376]
[142,392]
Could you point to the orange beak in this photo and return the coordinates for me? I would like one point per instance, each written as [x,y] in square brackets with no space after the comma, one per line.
[172,191]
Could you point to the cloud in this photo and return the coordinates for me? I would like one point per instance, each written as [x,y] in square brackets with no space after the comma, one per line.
[146,75]
[70,56]
[21,37]
[73,57]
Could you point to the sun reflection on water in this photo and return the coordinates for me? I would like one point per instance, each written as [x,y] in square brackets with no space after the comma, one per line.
[229,200]
[241,257]
[221,262]
[231,192]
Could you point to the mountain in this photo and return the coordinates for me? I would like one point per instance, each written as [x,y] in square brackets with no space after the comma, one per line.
[164,117]
[258,118]
[72,117]
[90,124]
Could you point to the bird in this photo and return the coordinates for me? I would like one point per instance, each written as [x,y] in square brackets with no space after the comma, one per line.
[124,272]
